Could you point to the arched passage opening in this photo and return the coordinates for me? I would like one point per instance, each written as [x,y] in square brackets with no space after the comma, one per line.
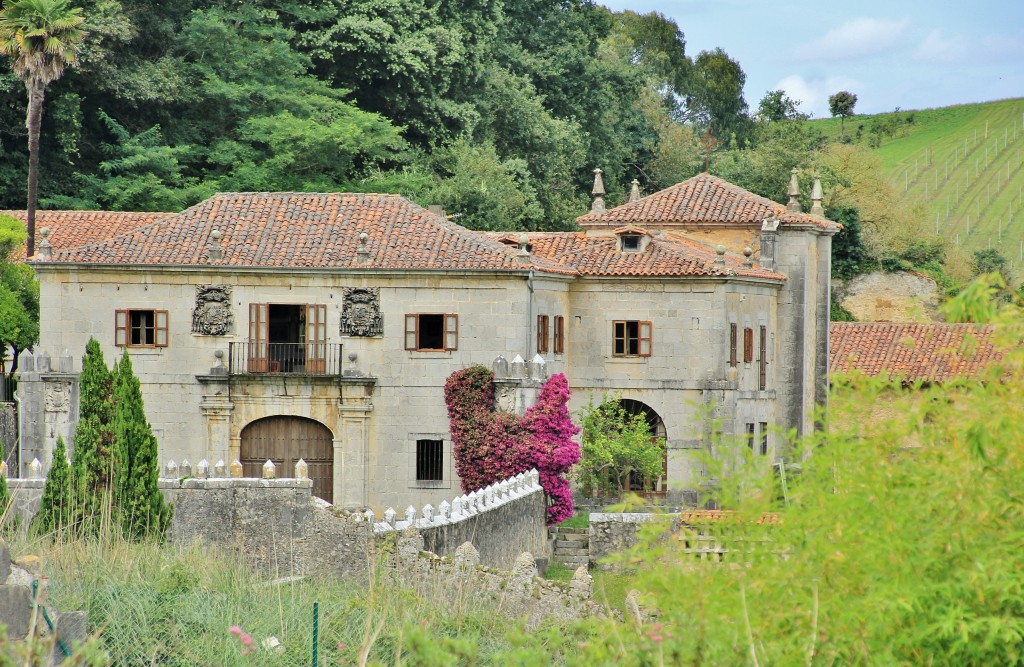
[284,440]
[656,429]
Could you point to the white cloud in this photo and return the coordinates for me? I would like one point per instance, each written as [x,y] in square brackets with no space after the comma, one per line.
[855,39]
[813,94]
[939,49]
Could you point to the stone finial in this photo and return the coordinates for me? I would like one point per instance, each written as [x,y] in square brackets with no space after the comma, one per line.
[45,249]
[597,205]
[203,469]
[186,468]
[816,198]
[457,506]
[35,469]
[269,470]
[369,516]
[428,512]
[500,367]
[471,506]
[445,510]
[536,369]
[634,191]
[390,515]
[26,361]
[301,469]
[214,251]
[748,253]
[518,369]
[43,361]
[65,362]
[410,514]
[236,469]
[793,193]
[219,468]
[720,252]
[171,469]
[363,253]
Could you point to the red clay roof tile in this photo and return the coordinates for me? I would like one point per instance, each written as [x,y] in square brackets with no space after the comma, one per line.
[912,352]
[70,229]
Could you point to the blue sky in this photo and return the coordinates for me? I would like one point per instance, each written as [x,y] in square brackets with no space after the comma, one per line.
[912,54]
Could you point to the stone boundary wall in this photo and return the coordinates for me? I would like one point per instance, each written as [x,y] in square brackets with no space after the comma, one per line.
[612,533]
[279,527]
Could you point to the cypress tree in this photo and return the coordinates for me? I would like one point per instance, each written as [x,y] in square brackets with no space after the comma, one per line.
[142,510]
[58,500]
[94,436]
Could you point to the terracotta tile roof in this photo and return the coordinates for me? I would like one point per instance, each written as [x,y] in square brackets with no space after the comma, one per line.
[70,229]
[701,200]
[663,256]
[912,352]
[287,229]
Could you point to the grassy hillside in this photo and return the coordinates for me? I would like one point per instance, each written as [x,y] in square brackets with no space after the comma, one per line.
[964,162]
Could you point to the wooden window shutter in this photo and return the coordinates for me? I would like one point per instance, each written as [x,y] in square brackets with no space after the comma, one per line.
[411,322]
[258,337]
[316,338]
[160,328]
[451,332]
[748,345]
[732,344]
[542,334]
[559,334]
[120,328]
[762,361]
[645,339]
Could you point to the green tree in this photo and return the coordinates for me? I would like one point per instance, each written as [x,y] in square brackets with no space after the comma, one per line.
[841,104]
[776,106]
[140,504]
[19,292]
[43,37]
[616,445]
[715,97]
[58,504]
[94,437]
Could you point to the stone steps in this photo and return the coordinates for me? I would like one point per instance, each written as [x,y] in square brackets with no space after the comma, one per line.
[571,546]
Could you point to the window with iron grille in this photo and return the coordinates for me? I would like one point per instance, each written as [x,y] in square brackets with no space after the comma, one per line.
[429,460]
[750,435]
[140,328]
[631,338]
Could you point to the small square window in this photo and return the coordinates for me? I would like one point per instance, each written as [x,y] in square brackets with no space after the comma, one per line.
[631,338]
[428,331]
[429,460]
[630,242]
[140,328]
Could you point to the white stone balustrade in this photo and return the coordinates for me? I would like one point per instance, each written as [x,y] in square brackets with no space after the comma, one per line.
[203,469]
[269,470]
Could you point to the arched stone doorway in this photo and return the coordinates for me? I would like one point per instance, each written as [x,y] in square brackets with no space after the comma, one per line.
[656,429]
[284,440]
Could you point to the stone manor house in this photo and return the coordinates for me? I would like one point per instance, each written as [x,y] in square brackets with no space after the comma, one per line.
[323,326]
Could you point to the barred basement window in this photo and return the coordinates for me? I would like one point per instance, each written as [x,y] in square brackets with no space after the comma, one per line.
[140,328]
[429,461]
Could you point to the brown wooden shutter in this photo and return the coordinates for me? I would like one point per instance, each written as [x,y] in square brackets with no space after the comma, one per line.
[762,362]
[258,337]
[732,344]
[451,332]
[160,328]
[542,334]
[559,334]
[645,339]
[748,345]
[120,328]
[411,322]
[316,338]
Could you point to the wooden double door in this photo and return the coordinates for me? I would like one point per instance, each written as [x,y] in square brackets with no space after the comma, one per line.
[284,440]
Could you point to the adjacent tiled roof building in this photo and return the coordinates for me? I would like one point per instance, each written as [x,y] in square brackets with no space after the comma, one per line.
[70,229]
[913,352]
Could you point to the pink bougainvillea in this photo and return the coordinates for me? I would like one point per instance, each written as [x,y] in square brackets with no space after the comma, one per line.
[490,446]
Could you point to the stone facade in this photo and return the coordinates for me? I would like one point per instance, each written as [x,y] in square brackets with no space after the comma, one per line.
[651,320]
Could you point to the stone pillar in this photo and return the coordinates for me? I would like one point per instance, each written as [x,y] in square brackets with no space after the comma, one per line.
[49,406]
[352,443]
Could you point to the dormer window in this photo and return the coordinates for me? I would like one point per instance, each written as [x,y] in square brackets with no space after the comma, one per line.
[630,242]
[631,238]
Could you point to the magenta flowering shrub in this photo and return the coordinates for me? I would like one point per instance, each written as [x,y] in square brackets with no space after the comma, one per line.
[489,446]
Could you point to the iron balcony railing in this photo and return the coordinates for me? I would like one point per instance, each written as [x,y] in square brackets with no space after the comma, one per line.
[256,357]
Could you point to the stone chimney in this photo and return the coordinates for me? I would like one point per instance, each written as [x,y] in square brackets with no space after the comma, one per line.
[816,198]
[769,230]
[793,192]
[437,210]
[597,206]
[634,192]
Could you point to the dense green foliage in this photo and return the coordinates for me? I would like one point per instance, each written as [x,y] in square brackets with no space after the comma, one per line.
[94,437]
[19,292]
[615,445]
[57,506]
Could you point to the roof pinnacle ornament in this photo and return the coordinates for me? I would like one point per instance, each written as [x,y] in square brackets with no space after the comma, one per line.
[597,206]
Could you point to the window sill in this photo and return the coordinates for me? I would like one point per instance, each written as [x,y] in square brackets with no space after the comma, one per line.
[431,484]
